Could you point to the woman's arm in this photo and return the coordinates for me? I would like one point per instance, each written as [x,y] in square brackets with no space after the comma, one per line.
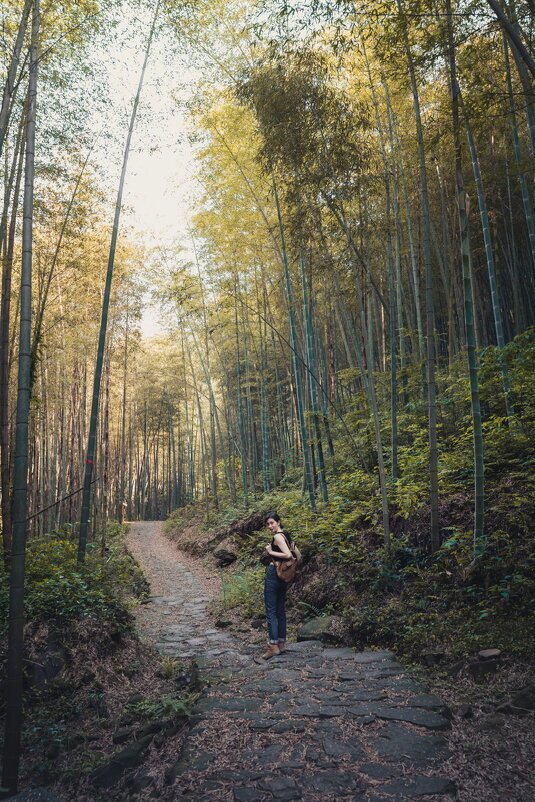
[284,552]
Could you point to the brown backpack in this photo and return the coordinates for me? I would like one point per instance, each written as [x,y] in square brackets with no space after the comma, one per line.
[287,570]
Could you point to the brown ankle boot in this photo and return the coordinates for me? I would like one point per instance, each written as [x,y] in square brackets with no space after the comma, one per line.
[271,651]
[282,645]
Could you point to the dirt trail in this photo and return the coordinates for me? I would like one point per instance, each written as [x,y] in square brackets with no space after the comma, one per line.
[316,723]
[175,620]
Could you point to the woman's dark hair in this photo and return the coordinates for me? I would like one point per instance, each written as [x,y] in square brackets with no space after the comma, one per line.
[274,517]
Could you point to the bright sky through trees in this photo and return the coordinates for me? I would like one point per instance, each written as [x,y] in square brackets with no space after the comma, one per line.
[160,189]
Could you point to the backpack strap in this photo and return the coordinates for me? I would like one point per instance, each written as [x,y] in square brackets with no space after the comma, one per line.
[289,544]
[287,539]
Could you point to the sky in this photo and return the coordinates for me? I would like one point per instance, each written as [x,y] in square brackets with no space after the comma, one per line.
[159,194]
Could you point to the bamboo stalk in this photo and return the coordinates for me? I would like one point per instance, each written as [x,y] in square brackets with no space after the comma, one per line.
[91,443]
[13,725]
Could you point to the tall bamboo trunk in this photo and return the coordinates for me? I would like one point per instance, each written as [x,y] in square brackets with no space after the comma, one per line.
[13,731]
[479,467]
[45,289]
[466,256]
[365,363]
[313,371]
[429,300]
[513,33]
[489,253]
[10,86]
[239,403]
[267,467]
[91,443]
[415,282]
[106,458]
[307,472]
[5,362]
[123,444]
[526,200]
[215,423]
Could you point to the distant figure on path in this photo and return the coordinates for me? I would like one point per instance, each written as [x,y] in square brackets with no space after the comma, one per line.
[275,588]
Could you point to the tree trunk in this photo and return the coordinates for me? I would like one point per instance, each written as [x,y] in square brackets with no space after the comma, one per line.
[466,255]
[429,300]
[10,85]
[91,444]
[5,362]
[11,755]
[307,472]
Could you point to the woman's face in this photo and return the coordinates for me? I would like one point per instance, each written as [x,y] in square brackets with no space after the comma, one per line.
[272,524]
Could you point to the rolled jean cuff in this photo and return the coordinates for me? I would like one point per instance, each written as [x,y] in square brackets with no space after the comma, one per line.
[274,642]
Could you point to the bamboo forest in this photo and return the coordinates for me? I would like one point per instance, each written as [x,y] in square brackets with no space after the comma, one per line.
[267,262]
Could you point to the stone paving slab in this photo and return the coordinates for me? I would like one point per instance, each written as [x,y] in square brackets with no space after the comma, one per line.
[317,723]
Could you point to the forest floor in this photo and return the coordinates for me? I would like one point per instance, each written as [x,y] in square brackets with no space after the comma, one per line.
[318,723]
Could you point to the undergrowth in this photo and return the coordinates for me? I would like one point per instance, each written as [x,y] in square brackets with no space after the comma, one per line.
[86,674]
[244,588]
[405,596]
[57,587]
[165,706]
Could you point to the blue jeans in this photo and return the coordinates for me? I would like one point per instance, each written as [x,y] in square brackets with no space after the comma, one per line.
[274,600]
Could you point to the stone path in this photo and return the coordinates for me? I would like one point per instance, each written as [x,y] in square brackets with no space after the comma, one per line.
[175,619]
[316,723]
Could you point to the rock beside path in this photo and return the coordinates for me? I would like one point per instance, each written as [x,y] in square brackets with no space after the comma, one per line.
[522,701]
[322,628]
[225,557]
[130,757]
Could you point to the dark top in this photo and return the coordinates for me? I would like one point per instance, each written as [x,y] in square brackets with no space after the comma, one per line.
[275,547]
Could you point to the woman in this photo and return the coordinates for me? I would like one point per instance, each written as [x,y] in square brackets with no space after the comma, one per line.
[275,588]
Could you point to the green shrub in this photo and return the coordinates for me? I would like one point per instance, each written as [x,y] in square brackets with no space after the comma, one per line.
[164,706]
[56,587]
[245,589]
